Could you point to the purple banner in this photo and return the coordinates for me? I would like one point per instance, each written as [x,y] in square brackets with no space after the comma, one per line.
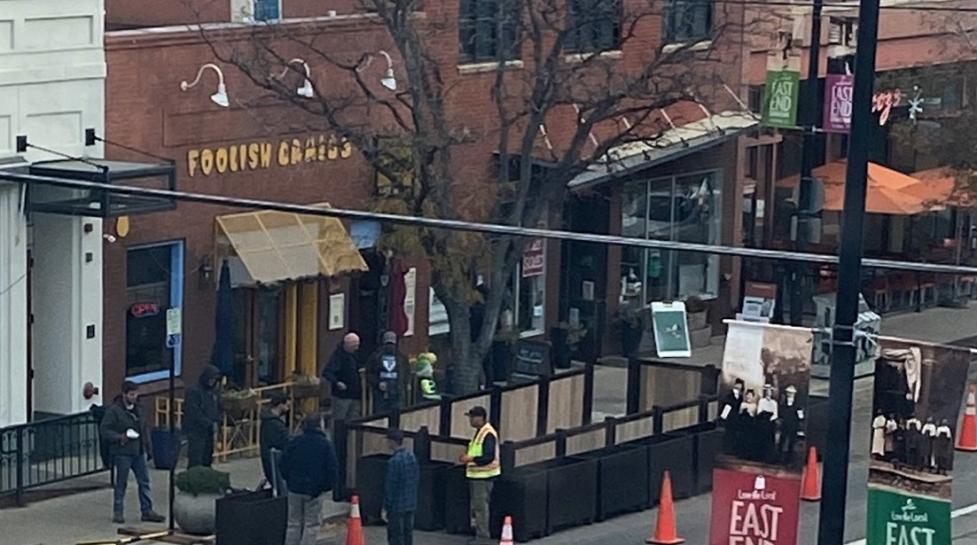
[838,102]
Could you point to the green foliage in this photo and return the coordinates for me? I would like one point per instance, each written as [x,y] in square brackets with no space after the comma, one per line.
[203,480]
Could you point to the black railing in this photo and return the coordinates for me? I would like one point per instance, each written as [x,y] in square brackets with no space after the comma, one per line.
[47,452]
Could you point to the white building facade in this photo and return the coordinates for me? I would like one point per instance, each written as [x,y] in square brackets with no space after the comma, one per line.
[52,88]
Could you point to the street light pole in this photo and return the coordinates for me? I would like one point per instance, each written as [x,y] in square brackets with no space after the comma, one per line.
[805,197]
[831,526]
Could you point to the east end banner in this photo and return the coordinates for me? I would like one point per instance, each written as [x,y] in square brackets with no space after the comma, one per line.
[780,101]
[764,389]
[915,410]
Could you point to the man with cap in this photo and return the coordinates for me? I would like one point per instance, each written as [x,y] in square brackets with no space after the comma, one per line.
[400,491]
[388,371]
[482,466]
[791,419]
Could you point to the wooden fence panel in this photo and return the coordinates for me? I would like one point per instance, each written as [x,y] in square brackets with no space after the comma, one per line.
[445,452]
[633,430]
[587,441]
[683,418]
[519,406]
[565,403]
[414,419]
[664,386]
[536,453]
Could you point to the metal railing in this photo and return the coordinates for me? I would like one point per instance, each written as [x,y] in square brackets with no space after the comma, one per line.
[47,452]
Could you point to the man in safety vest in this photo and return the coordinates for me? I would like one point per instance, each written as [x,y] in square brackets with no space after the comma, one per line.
[482,466]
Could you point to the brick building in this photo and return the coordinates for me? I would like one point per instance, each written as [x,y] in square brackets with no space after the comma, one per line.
[253,149]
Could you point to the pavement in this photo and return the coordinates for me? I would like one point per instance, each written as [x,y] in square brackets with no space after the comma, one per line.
[86,516]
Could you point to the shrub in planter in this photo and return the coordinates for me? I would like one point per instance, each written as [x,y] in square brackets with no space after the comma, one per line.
[239,403]
[198,489]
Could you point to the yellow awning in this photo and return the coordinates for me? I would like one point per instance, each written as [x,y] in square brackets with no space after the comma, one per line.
[280,246]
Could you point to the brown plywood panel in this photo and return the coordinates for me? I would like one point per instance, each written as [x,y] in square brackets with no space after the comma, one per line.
[459,422]
[415,419]
[519,408]
[586,442]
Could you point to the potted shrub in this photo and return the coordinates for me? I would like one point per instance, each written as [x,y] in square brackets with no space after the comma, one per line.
[565,337]
[700,332]
[198,489]
[239,404]
[630,327]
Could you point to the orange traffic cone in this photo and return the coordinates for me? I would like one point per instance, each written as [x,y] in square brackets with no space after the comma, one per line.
[354,528]
[967,441]
[811,485]
[506,532]
[665,531]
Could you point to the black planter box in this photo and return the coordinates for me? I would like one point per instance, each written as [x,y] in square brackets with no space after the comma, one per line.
[622,479]
[675,454]
[371,474]
[457,513]
[430,496]
[251,518]
[572,492]
[521,494]
[816,427]
[708,443]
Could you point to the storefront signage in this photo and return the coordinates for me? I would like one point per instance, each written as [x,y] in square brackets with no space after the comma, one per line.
[838,98]
[263,155]
[780,102]
[144,310]
[533,259]
[915,408]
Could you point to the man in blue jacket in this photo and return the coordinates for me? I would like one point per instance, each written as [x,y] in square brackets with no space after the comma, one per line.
[400,491]
[309,467]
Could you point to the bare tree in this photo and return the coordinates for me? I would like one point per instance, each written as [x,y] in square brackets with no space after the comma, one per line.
[554,66]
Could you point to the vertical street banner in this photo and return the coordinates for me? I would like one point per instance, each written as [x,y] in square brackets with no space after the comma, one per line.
[763,391]
[780,98]
[838,89]
[915,409]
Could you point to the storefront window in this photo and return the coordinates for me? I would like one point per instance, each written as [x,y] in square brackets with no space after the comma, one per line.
[530,303]
[684,209]
[154,283]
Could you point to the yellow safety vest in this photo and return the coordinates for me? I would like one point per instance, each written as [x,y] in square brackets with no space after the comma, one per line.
[494,469]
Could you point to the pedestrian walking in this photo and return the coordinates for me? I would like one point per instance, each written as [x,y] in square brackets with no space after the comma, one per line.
[482,466]
[342,371]
[201,417]
[309,467]
[400,491]
[273,435]
[125,430]
[388,372]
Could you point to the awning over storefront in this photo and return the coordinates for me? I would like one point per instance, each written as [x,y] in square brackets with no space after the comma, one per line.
[672,143]
[889,192]
[271,247]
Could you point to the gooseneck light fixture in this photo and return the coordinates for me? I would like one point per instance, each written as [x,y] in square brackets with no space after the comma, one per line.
[306,89]
[389,81]
[220,97]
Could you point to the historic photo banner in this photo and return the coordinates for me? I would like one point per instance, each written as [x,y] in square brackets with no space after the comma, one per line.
[764,389]
[915,409]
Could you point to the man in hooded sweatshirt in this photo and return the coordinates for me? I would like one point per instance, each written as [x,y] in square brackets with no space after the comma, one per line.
[201,415]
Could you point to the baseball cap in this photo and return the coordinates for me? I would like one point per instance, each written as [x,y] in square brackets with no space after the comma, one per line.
[477,411]
[395,434]
[389,337]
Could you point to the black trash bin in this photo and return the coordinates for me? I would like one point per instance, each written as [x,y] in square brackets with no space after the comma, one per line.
[166,448]
[251,518]
[622,479]
[521,494]
[430,496]
[457,514]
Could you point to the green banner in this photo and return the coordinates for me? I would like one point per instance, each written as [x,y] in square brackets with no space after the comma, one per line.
[780,98]
[898,518]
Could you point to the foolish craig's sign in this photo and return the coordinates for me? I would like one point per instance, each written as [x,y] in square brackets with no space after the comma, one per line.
[262,155]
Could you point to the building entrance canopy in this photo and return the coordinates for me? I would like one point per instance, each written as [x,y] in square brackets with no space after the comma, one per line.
[268,247]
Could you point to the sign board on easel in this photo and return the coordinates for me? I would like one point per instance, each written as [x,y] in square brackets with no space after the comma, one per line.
[671,328]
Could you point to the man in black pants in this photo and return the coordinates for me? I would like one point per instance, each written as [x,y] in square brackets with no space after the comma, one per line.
[201,415]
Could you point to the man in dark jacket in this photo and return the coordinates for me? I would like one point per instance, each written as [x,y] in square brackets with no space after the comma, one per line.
[400,491]
[388,372]
[309,467]
[273,435]
[343,373]
[201,415]
[125,430]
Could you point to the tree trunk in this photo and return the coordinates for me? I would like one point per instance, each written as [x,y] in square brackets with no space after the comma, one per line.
[467,366]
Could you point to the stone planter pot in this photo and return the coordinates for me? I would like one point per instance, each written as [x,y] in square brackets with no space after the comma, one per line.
[698,320]
[196,515]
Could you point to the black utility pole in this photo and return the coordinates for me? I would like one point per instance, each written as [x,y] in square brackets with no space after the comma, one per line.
[805,199]
[831,527]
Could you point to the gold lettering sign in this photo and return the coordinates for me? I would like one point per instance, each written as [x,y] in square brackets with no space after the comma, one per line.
[262,155]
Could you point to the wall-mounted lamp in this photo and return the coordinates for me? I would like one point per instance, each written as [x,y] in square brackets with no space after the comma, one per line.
[220,97]
[205,272]
[306,89]
[388,80]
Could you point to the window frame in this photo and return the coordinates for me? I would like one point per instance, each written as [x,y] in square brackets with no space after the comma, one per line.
[517,286]
[577,32]
[474,27]
[682,32]
[255,10]
[177,278]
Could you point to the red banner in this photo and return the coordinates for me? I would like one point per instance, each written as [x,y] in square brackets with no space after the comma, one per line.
[754,509]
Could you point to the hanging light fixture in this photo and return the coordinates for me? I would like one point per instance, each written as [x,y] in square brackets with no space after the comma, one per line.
[306,89]
[220,97]
[389,81]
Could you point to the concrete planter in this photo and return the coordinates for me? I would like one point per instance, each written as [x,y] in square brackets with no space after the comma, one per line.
[196,514]
[698,320]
